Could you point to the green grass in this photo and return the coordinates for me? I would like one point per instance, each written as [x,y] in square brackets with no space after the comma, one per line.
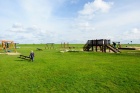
[70,72]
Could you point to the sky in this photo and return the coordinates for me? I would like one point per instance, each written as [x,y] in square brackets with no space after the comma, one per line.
[73,21]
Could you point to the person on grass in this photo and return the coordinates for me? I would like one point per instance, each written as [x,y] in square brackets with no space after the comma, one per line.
[32,56]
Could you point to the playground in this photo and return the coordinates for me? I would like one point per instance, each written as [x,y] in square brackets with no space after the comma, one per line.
[8,47]
[83,71]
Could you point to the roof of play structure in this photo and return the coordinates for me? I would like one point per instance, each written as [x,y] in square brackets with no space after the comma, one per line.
[6,41]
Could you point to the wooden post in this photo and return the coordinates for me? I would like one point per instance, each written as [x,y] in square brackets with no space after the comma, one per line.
[64,44]
[96,45]
[92,45]
[67,44]
[102,45]
[61,45]
[47,46]
[105,41]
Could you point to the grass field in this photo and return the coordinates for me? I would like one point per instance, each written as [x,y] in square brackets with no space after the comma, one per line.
[70,72]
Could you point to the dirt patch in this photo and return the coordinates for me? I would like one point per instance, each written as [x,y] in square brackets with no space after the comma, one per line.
[13,53]
[2,53]
[137,48]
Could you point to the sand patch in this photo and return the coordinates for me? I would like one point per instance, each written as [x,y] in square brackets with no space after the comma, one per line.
[137,48]
[13,53]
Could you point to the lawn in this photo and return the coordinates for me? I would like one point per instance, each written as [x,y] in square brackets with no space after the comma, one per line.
[70,72]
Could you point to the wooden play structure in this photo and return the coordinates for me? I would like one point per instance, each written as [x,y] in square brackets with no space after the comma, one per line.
[49,46]
[67,46]
[64,45]
[8,45]
[99,44]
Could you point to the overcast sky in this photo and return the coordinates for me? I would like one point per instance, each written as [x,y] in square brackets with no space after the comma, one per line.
[73,21]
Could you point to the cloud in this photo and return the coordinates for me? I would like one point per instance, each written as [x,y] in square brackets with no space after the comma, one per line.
[50,21]
[22,34]
[35,11]
[84,20]
[136,31]
[17,25]
[19,28]
[133,34]
[38,11]
[91,8]
[84,26]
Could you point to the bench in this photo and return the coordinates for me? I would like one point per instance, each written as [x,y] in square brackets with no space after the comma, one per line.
[39,49]
[24,57]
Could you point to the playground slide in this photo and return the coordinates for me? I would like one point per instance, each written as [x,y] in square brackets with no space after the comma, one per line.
[113,49]
[87,46]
